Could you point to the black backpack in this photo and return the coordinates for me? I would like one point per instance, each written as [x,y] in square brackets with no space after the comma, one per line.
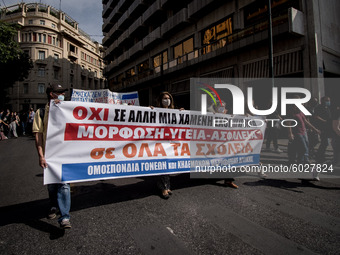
[42,113]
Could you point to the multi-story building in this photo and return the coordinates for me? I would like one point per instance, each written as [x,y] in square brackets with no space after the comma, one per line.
[156,45]
[60,50]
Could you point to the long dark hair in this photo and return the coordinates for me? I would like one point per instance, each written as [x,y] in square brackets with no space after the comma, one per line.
[160,97]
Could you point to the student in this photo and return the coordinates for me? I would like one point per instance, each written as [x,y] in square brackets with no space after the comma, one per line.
[59,193]
[165,100]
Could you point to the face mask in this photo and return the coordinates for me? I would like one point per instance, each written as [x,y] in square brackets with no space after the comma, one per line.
[166,102]
[61,97]
[328,103]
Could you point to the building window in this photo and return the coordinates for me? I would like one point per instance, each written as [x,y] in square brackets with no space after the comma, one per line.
[41,72]
[56,73]
[184,48]
[42,22]
[56,57]
[41,55]
[71,78]
[41,88]
[25,91]
[131,72]
[218,31]
[143,66]
[157,60]
[27,52]
[44,38]
[73,48]
[53,25]
[30,22]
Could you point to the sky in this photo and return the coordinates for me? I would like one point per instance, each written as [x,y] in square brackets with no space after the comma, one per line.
[88,13]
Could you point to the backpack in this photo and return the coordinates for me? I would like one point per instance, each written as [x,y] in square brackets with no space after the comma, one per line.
[42,114]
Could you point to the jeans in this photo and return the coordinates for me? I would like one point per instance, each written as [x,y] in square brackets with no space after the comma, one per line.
[272,133]
[301,143]
[60,197]
[322,148]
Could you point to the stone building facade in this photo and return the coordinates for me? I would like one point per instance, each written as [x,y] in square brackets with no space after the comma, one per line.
[61,52]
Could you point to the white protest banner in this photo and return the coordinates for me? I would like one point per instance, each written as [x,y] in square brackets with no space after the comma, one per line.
[105,96]
[92,141]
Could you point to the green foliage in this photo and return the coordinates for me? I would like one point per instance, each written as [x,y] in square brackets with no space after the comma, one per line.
[14,63]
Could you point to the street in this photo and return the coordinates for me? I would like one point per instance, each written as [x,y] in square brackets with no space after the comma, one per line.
[127,216]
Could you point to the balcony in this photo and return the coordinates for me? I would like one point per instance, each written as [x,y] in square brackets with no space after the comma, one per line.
[84,72]
[173,22]
[136,26]
[196,7]
[152,37]
[41,61]
[113,34]
[112,49]
[123,38]
[106,11]
[56,63]
[136,48]
[72,55]
[112,19]
[137,8]
[124,21]
[165,2]
[122,58]
[152,10]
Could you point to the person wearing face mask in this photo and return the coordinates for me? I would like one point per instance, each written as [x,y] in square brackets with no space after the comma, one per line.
[221,108]
[165,100]
[59,193]
[323,117]
[298,148]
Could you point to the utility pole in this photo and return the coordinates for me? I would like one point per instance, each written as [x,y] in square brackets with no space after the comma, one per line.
[270,41]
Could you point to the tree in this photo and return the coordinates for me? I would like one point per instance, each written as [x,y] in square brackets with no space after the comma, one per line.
[14,63]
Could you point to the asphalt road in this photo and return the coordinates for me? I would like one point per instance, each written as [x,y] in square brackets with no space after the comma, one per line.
[126,216]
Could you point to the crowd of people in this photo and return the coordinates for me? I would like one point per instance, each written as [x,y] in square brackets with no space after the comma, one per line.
[316,131]
[13,124]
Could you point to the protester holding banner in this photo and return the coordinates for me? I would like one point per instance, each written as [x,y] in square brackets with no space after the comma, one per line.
[216,108]
[165,100]
[59,193]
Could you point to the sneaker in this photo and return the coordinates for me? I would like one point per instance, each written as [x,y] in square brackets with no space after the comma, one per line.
[65,224]
[231,184]
[165,194]
[262,175]
[278,150]
[52,213]
[316,179]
